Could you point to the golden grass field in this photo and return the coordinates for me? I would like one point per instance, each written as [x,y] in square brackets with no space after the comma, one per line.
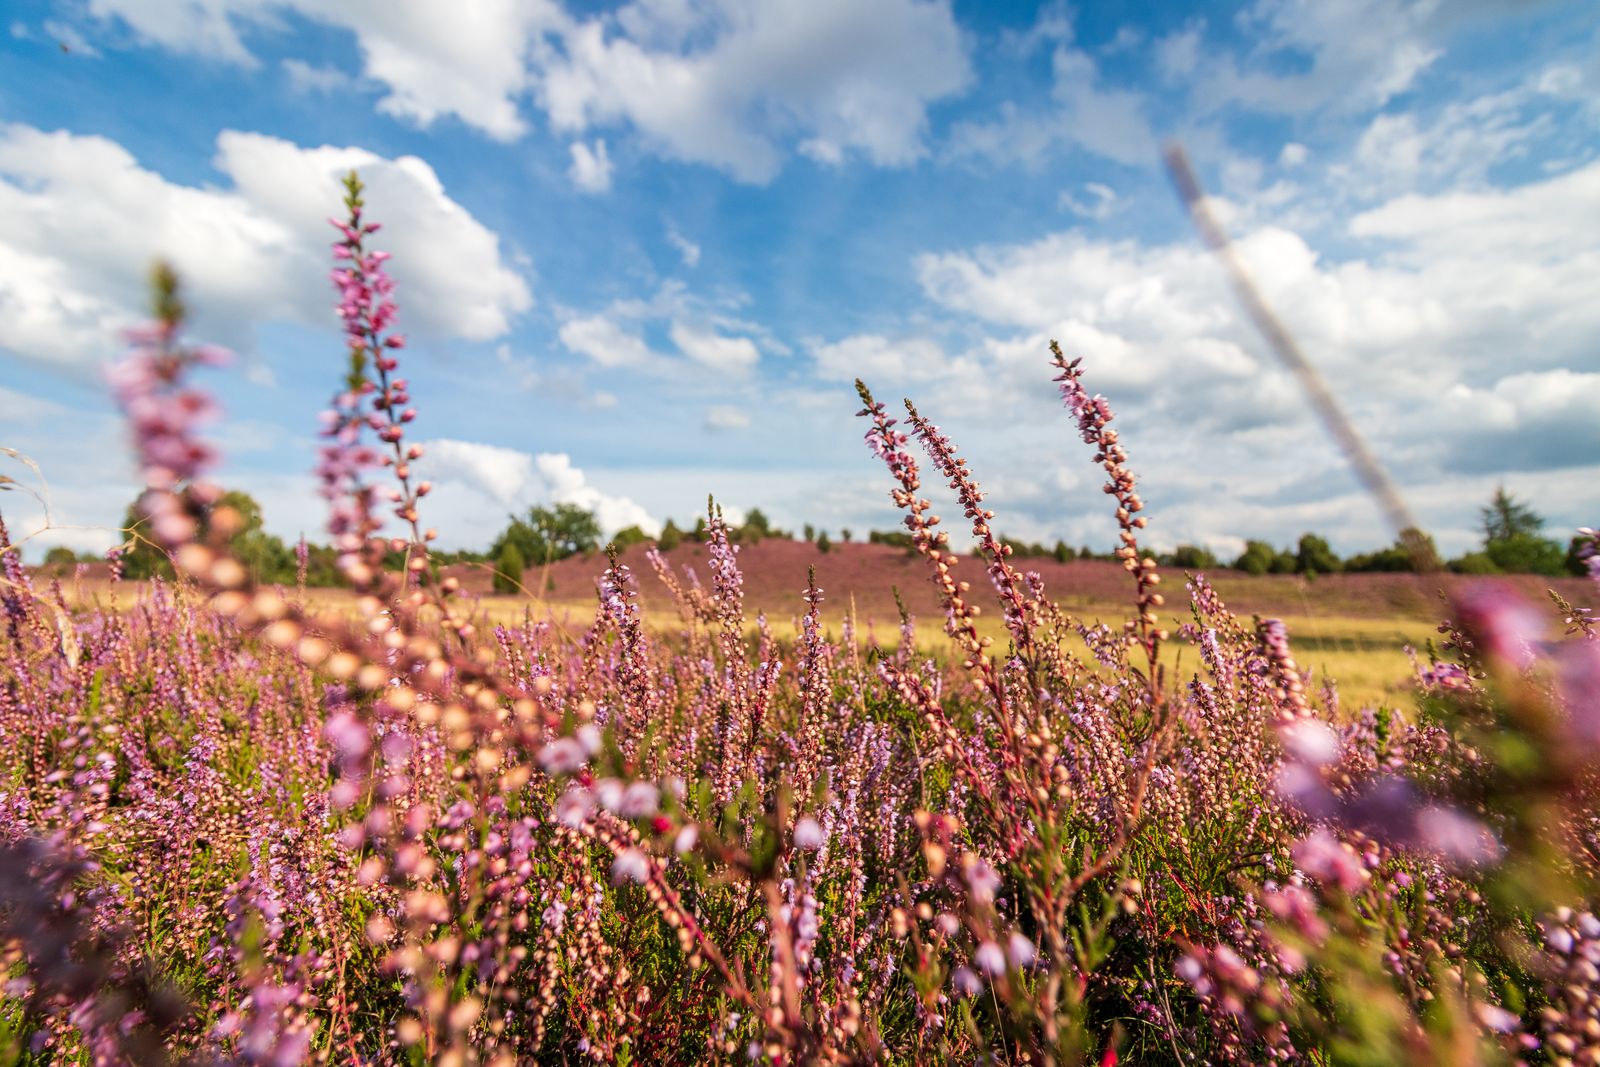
[1351,629]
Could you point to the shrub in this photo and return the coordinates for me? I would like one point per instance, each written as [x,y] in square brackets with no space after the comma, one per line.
[508,569]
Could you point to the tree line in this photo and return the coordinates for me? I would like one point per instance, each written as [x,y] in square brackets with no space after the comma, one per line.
[1513,543]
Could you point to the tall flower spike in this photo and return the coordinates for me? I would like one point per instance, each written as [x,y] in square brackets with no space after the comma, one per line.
[1007,583]
[1094,417]
[888,444]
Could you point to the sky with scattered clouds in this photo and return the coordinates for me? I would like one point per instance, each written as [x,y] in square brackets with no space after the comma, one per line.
[644,249]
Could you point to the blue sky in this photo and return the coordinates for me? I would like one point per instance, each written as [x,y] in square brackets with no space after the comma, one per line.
[644,249]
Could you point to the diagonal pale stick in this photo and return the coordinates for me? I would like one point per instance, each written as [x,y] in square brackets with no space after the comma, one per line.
[1367,468]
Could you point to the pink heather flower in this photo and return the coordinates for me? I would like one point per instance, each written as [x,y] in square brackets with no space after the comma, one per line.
[1330,861]
[686,839]
[575,806]
[966,981]
[564,755]
[639,801]
[1505,626]
[1462,840]
[1019,951]
[1310,741]
[1496,1018]
[808,834]
[989,959]
[630,866]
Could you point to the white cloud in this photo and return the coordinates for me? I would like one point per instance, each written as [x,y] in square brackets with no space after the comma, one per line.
[322,81]
[1100,202]
[729,84]
[722,417]
[1348,56]
[81,220]
[688,251]
[591,167]
[464,60]
[71,39]
[1458,330]
[837,75]
[878,359]
[1087,114]
[707,347]
[602,340]
[513,480]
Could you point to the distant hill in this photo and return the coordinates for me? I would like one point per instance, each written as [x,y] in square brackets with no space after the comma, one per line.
[775,574]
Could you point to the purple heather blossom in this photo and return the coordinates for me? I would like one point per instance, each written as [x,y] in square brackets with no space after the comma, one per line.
[989,959]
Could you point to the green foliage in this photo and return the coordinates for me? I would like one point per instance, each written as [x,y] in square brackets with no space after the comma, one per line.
[1314,556]
[823,544]
[629,535]
[508,568]
[671,537]
[1511,538]
[1193,558]
[810,532]
[1398,557]
[1257,558]
[60,556]
[1063,552]
[896,538]
[1523,553]
[1475,563]
[264,555]
[1506,517]
[548,534]
[756,526]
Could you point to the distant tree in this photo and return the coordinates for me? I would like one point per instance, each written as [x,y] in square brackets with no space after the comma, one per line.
[701,531]
[548,534]
[844,535]
[60,556]
[628,535]
[1505,517]
[1314,556]
[823,544]
[1411,547]
[1063,552]
[897,538]
[1257,558]
[1085,552]
[756,526]
[1193,558]
[1511,538]
[810,531]
[1527,554]
[1474,563]
[508,569]
[671,537]
[264,555]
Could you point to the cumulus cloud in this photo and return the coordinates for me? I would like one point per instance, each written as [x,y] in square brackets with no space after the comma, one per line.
[1084,112]
[604,341]
[707,347]
[80,221]
[1456,328]
[514,480]
[591,167]
[836,76]
[469,61]
[688,251]
[733,85]
[878,359]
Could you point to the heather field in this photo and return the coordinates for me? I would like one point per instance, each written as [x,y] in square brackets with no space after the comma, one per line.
[735,804]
